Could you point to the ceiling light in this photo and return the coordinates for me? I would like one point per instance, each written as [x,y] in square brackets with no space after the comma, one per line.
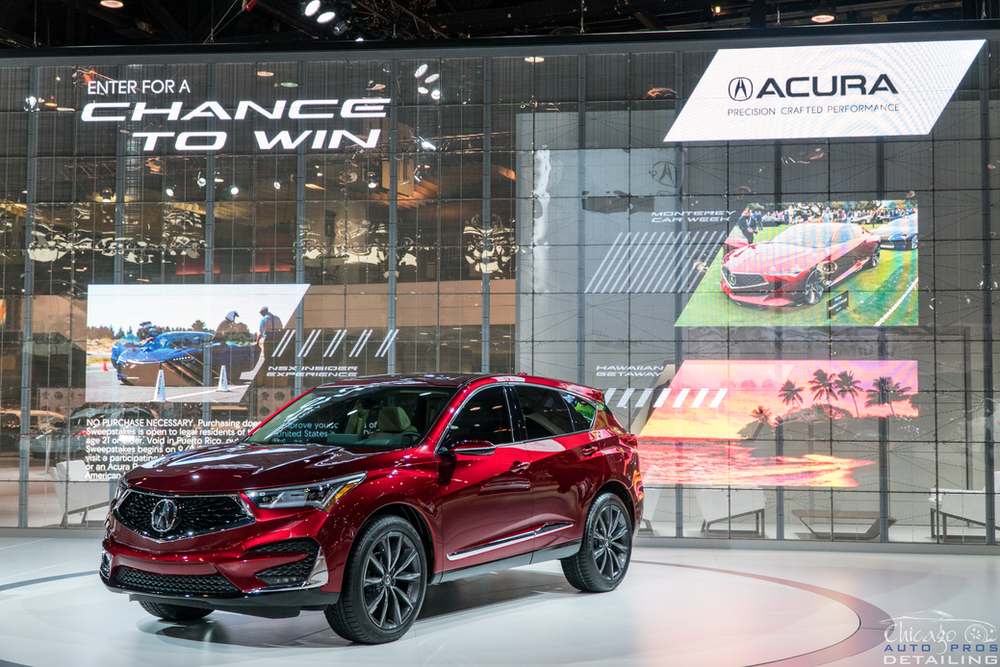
[264,73]
[170,192]
[201,180]
[436,94]
[310,7]
[277,185]
[233,190]
[824,13]
[326,17]
[534,59]
[420,71]
[288,84]
[422,90]
[112,4]
[51,104]
[341,28]
[432,78]
[65,109]
[314,186]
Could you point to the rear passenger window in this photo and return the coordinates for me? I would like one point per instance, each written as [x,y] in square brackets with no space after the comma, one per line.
[580,411]
[546,414]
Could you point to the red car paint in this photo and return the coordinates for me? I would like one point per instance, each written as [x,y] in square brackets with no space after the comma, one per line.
[777,272]
[525,501]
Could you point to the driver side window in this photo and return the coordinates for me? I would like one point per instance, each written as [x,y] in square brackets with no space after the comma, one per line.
[484,417]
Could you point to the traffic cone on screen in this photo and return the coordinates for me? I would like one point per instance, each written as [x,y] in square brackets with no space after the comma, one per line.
[223,380]
[160,393]
[105,365]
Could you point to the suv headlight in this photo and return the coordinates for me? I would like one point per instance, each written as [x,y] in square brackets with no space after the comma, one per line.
[119,493]
[321,495]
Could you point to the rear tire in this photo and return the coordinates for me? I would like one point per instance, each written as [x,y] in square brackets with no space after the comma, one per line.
[384,583]
[603,559]
[174,613]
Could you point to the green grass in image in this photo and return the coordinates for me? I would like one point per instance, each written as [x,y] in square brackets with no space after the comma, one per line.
[876,298]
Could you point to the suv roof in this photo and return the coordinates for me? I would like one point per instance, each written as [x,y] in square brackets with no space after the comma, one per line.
[461,380]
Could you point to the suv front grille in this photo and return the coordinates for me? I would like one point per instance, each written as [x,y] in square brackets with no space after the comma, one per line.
[194,515]
[213,585]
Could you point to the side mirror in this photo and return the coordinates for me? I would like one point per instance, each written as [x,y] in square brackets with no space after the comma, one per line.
[471,447]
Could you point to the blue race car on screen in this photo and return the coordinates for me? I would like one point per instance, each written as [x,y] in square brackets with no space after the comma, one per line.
[181,356]
[126,342]
[900,234]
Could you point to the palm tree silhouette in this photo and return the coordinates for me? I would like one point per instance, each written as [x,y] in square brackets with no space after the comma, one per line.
[822,386]
[885,391]
[763,418]
[790,394]
[847,385]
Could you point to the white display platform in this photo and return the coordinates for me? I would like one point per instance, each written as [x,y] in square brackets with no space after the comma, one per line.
[676,607]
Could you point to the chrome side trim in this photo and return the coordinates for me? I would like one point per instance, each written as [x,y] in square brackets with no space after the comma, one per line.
[547,529]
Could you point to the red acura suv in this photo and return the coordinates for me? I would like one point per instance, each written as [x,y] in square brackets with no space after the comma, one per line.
[357,495]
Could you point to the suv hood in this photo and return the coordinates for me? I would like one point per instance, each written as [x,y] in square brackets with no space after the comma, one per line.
[235,467]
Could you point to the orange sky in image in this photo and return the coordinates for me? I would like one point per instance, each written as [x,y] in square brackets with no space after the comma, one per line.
[748,384]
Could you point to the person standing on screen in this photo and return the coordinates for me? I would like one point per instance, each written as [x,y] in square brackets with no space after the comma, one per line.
[227,328]
[270,328]
[746,226]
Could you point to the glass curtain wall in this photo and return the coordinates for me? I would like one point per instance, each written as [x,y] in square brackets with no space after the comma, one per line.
[188,246]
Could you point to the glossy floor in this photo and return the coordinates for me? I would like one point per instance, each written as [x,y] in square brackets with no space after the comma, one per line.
[715,607]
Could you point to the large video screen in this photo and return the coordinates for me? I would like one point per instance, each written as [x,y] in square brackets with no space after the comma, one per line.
[824,90]
[154,342]
[716,421]
[813,264]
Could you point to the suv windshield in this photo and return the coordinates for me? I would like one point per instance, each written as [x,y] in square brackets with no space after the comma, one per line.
[365,416]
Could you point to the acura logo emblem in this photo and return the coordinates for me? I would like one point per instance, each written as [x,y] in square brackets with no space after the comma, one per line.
[740,89]
[164,515]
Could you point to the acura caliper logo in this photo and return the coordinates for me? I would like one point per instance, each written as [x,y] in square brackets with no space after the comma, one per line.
[164,515]
[740,89]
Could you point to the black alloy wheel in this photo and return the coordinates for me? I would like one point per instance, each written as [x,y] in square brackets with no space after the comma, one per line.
[384,584]
[604,556]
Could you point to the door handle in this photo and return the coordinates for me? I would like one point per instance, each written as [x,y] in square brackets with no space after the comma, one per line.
[589,450]
[517,466]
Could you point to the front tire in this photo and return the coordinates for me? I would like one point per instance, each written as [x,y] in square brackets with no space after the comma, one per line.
[384,583]
[876,256]
[606,551]
[174,613]
[813,288]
